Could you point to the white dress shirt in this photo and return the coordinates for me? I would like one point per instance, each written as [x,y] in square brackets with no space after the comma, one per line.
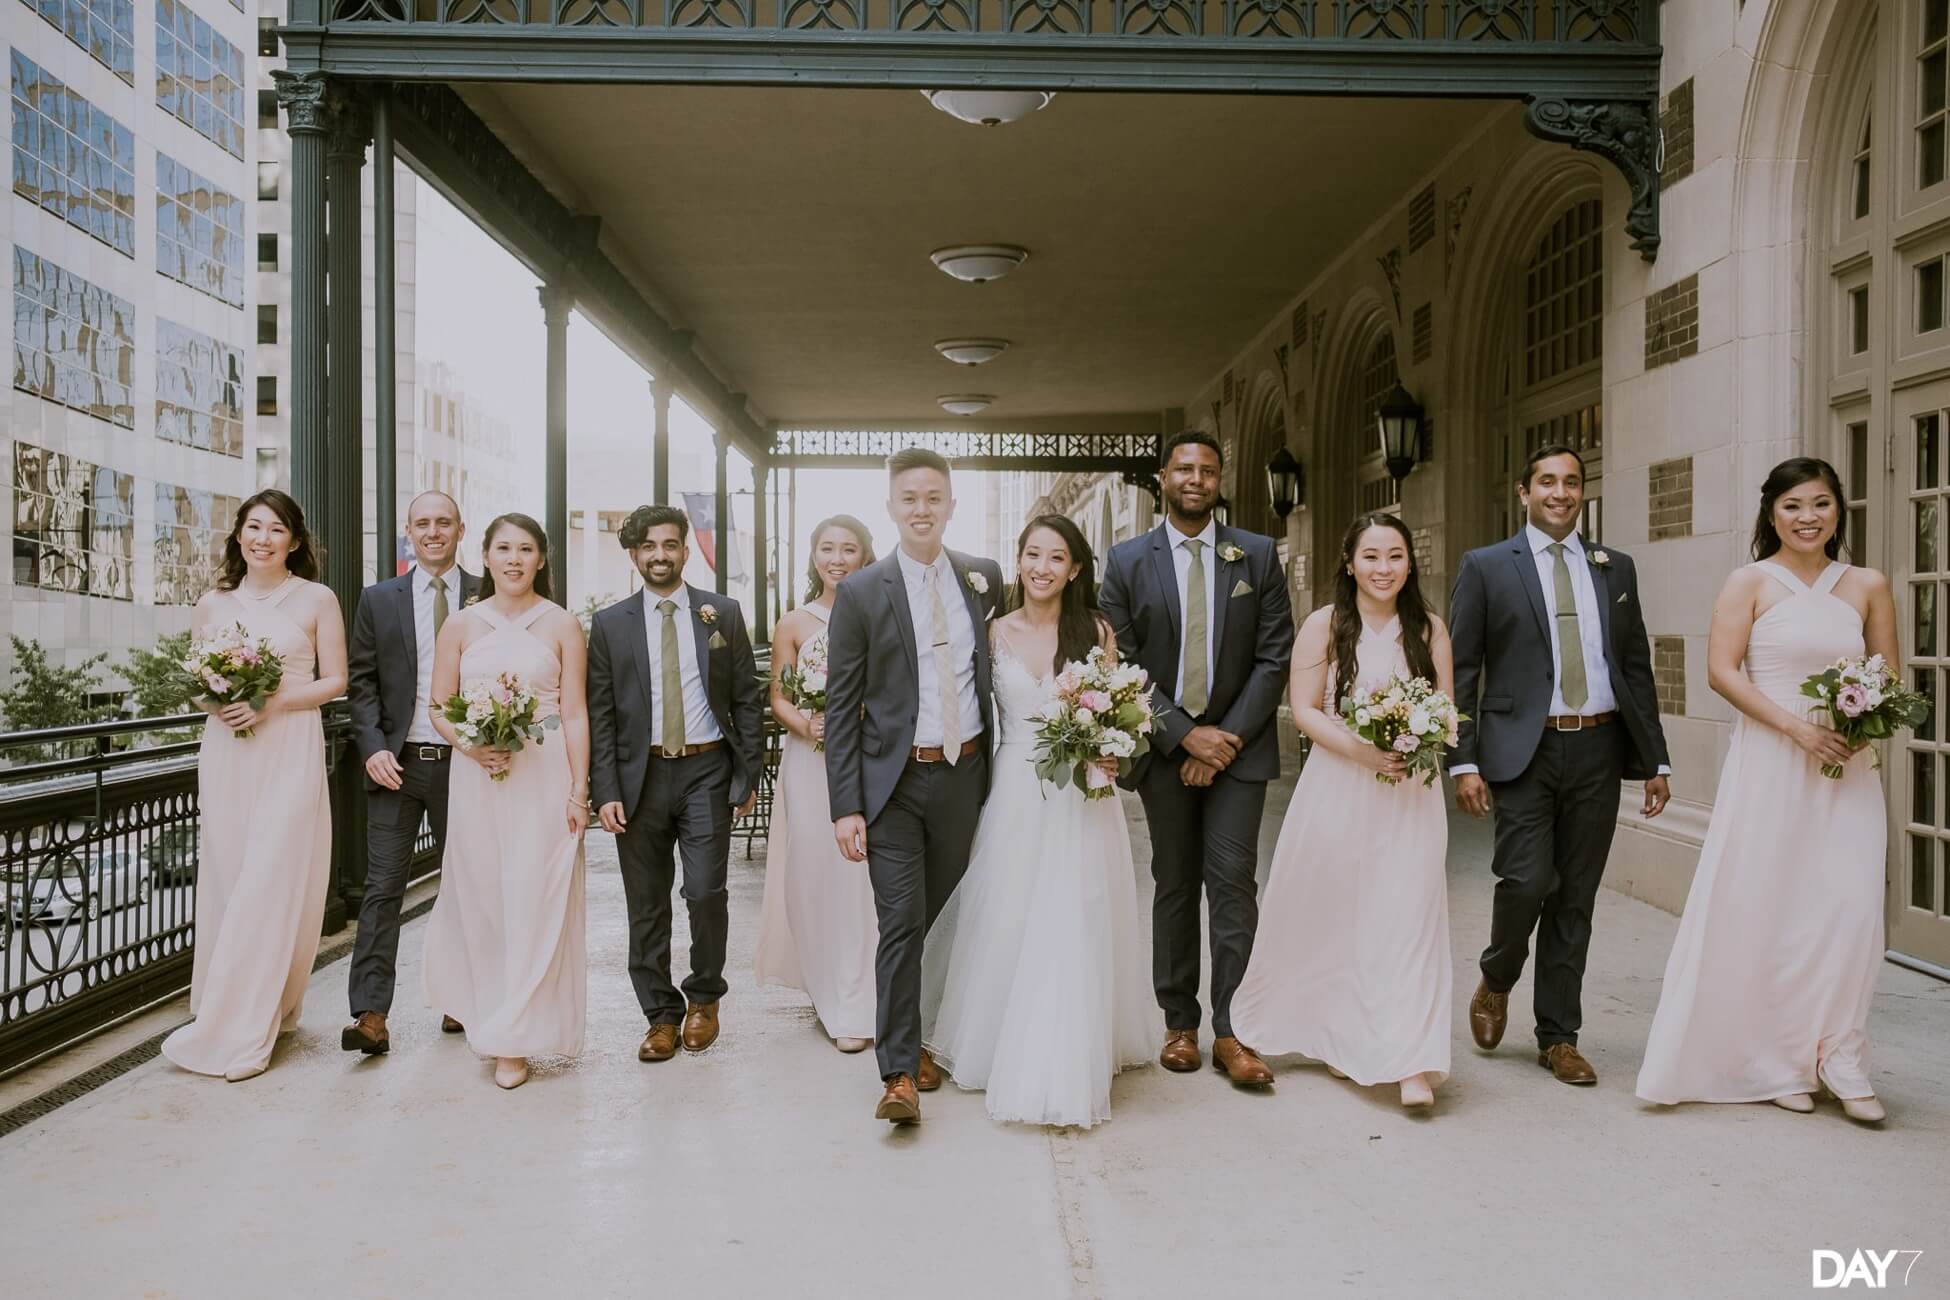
[961,647]
[1181,563]
[700,725]
[420,731]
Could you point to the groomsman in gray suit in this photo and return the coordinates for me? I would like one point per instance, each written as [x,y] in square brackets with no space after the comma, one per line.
[390,688]
[1203,608]
[1554,669]
[907,758]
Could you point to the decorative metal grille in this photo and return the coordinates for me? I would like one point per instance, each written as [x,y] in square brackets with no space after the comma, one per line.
[1564,296]
[1109,452]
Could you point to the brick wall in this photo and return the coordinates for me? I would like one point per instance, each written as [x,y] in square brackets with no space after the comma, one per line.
[1676,125]
[1672,322]
[1670,499]
[1669,673]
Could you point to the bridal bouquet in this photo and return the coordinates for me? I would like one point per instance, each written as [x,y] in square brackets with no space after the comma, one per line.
[228,667]
[804,683]
[1865,701]
[1409,717]
[1100,710]
[498,712]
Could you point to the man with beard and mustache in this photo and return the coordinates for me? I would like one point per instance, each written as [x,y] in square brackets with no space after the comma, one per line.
[675,751]
[1204,609]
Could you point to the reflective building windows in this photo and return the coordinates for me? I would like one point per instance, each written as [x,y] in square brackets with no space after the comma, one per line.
[199,390]
[74,343]
[74,524]
[71,158]
[190,529]
[199,76]
[199,232]
[104,28]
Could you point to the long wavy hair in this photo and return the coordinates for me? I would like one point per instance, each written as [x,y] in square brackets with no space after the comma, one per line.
[527,525]
[1781,480]
[815,580]
[1409,606]
[1080,623]
[305,553]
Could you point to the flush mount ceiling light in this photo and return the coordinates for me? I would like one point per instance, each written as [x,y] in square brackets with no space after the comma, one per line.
[965,403]
[989,107]
[971,352]
[978,263]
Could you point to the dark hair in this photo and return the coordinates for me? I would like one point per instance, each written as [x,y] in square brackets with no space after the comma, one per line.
[1080,623]
[816,581]
[1413,611]
[1789,474]
[1193,438]
[636,529]
[908,458]
[534,530]
[1543,454]
[305,553]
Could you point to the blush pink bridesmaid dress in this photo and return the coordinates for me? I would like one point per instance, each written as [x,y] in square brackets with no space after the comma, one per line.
[506,950]
[265,862]
[1768,986]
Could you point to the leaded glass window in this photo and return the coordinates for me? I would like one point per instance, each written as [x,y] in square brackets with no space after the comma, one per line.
[74,343]
[1564,296]
[191,526]
[199,76]
[74,524]
[104,28]
[199,232]
[1379,374]
[71,158]
[199,390]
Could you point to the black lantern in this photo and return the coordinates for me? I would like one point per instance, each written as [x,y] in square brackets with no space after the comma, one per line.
[1284,482]
[1400,421]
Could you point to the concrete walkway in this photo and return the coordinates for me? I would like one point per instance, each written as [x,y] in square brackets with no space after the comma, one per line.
[757,1170]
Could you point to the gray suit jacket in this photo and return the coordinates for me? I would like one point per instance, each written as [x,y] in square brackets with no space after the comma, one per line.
[873,683]
[383,663]
[1499,630]
[620,693]
[1252,645]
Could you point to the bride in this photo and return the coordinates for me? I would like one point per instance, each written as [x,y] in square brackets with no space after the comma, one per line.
[1034,978]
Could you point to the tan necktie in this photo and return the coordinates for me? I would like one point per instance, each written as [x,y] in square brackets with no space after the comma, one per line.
[1194,696]
[944,671]
[439,604]
[1570,646]
[673,681]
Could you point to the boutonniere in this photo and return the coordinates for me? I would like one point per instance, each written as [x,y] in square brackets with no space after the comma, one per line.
[707,615]
[1231,553]
[474,599]
[1600,559]
[977,583]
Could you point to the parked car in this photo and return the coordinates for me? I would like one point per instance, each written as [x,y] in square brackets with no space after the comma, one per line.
[69,885]
[172,857]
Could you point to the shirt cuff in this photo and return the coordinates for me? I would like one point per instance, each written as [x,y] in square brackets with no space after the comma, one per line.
[1665,769]
[1463,769]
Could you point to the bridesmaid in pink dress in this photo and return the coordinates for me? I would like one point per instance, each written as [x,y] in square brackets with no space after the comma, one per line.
[1351,962]
[267,822]
[817,929]
[505,951]
[1767,991]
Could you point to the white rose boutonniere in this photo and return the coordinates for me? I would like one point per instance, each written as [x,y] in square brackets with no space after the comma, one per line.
[1601,559]
[707,615]
[977,583]
[1231,554]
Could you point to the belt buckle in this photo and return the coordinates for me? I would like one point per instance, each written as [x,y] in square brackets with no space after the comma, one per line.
[1558,722]
[428,753]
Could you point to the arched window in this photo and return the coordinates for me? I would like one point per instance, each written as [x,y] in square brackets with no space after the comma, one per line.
[1252,507]
[1378,378]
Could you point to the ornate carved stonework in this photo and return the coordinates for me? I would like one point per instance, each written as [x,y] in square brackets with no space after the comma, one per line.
[306,98]
[1623,133]
[1457,206]
[1390,263]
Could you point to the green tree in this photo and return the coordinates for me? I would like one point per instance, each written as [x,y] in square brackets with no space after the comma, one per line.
[158,686]
[42,694]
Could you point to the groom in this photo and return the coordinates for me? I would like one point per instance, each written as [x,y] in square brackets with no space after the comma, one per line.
[1203,608]
[907,758]
[1549,633]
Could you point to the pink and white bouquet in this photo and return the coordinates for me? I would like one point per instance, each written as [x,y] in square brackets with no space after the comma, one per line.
[1407,716]
[229,667]
[804,683]
[1102,709]
[498,713]
[1865,701]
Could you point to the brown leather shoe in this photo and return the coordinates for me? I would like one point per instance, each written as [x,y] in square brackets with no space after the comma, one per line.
[367,1034]
[1562,1060]
[1489,1013]
[1180,1052]
[449,1025]
[899,1104]
[700,1026]
[928,1077]
[1240,1063]
[660,1044]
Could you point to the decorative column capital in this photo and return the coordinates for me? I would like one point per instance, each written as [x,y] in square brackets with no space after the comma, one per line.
[1623,132]
[350,127]
[557,302]
[307,99]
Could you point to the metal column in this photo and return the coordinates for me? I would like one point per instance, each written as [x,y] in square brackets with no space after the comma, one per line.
[761,571]
[722,504]
[660,393]
[556,302]
[307,113]
[385,367]
[344,526]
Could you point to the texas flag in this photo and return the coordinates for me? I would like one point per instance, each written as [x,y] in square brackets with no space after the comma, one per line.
[702,508]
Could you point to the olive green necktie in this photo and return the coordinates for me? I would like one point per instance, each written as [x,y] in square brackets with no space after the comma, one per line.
[1570,645]
[1193,698]
[944,671]
[673,681]
[439,604]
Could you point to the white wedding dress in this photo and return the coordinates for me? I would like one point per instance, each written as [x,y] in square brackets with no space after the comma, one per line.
[1036,980]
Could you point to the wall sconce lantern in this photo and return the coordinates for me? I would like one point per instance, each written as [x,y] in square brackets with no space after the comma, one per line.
[1400,421]
[1285,482]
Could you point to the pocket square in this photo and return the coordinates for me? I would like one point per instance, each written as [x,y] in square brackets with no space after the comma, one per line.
[1623,596]
[1242,588]
[717,641]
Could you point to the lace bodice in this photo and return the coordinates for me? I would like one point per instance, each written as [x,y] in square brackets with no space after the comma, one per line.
[1801,634]
[1019,696]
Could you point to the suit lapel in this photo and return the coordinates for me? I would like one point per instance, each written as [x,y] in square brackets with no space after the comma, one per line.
[1167,576]
[403,611]
[976,621]
[894,583]
[707,666]
[636,645]
[1533,587]
[1224,573]
[1601,589]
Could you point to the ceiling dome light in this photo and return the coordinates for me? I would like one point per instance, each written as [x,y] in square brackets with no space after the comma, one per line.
[979,263]
[971,352]
[965,403]
[989,107]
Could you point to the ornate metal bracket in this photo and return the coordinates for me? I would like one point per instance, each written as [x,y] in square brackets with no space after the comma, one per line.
[1625,133]
[1149,482]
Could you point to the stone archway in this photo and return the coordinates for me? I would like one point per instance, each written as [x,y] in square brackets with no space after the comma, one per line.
[1338,444]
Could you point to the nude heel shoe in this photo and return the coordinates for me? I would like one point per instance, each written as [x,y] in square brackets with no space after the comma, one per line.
[510,1071]
[1336,1073]
[1416,1092]
[1863,1110]
[1798,1102]
[851,1045]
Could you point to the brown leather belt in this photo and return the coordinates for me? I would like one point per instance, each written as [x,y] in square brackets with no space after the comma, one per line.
[1577,722]
[935,754]
[658,751]
[427,753]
